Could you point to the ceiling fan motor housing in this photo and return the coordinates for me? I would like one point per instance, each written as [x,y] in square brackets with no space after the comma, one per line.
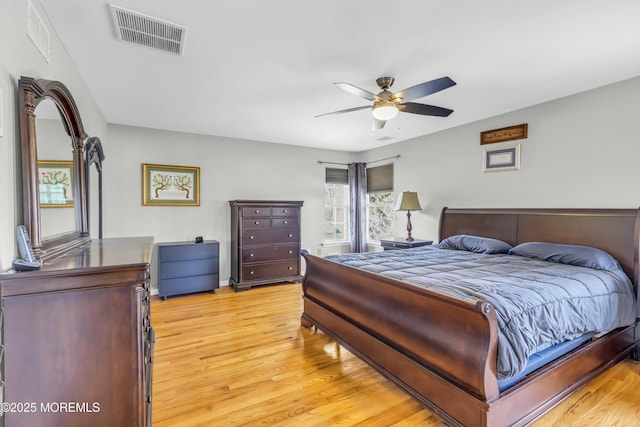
[385,82]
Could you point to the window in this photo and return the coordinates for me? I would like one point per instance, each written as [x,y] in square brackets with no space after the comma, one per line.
[336,206]
[379,215]
[380,202]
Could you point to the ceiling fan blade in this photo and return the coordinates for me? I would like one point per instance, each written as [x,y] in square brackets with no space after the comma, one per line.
[357,91]
[377,124]
[425,110]
[348,110]
[423,89]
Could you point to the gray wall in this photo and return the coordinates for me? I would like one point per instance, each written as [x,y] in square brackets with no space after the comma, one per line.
[229,169]
[582,151]
[20,57]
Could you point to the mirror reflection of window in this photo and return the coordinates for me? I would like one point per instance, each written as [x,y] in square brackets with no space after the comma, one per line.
[53,145]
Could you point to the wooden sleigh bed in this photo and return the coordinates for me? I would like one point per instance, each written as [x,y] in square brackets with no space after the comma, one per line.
[442,350]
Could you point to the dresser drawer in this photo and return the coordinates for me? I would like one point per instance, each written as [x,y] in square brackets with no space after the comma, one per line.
[188,251]
[198,267]
[187,285]
[284,211]
[275,269]
[269,253]
[274,235]
[256,223]
[251,211]
[291,222]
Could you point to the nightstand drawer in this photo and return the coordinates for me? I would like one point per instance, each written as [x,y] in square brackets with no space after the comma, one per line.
[187,285]
[187,251]
[171,270]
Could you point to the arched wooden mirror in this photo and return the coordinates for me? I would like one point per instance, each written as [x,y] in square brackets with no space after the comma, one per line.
[31,93]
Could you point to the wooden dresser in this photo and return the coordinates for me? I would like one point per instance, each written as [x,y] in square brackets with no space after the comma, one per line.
[187,267]
[78,341]
[265,242]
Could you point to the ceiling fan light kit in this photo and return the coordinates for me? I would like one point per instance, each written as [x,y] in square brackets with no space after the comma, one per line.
[386,104]
[384,110]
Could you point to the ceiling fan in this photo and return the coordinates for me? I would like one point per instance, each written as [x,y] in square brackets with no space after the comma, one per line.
[386,104]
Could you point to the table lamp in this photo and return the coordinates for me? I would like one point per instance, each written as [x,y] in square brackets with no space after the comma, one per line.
[408,201]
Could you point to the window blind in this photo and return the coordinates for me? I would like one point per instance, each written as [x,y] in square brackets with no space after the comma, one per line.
[336,176]
[380,179]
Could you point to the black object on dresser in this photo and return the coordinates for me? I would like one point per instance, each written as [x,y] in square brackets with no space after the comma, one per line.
[78,341]
[401,243]
[265,242]
[187,267]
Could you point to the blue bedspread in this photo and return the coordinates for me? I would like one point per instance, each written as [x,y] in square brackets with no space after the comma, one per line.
[538,303]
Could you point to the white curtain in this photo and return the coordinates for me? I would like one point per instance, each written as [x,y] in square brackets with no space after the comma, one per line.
[358,206]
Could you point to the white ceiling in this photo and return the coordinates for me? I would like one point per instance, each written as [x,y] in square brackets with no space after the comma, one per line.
[262,70]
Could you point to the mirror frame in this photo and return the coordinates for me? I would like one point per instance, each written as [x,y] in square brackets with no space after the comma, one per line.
[31,92]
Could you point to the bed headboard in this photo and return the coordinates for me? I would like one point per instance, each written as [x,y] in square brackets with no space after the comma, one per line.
[613,230]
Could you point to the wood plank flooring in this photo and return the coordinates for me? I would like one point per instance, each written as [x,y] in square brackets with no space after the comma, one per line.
[242,359]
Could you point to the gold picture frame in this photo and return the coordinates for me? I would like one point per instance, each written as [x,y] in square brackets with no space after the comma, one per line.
[166,185]
[55,183]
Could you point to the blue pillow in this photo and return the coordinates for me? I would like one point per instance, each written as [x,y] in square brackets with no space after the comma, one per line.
[582,256]
[481,245]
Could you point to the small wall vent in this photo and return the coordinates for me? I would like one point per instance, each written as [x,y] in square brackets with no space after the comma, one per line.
[138,28]
[37,31]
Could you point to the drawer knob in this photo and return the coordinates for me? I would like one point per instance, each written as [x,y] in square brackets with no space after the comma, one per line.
[290,252]
[251,237]
[251,272]
[286,222]
[290,235]
[251,255]
[257,210]
[290,268]
[257,222]
[285,211]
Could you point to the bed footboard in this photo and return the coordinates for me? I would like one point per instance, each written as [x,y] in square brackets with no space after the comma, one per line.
[451,341]
[442,350]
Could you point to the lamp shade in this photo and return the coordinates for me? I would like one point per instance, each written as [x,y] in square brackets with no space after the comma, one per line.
[408,201]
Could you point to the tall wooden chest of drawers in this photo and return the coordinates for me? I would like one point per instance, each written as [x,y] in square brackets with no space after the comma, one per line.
[187,267]
[265,242]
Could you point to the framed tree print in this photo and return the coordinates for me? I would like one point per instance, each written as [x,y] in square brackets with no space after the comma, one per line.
[55,183]
[165,185]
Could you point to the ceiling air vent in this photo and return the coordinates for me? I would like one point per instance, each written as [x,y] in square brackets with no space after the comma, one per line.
[386,139]
[145,30]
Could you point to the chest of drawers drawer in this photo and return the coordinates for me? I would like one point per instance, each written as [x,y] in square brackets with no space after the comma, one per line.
[269,253]
[251,211]
[270,236]
[272,270]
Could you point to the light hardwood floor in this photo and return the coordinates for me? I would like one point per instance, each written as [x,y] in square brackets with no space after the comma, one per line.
[242,359]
